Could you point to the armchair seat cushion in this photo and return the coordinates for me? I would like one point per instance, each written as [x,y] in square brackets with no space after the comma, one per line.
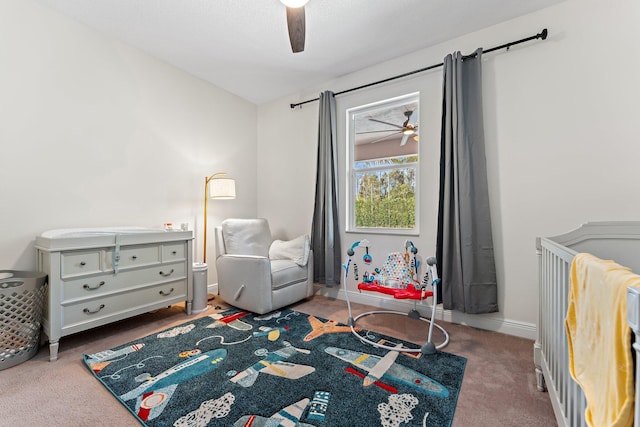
[286,273]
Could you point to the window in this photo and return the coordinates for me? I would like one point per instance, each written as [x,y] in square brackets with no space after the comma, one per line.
[383,166]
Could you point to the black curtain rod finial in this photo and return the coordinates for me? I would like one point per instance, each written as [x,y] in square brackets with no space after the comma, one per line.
[543,34]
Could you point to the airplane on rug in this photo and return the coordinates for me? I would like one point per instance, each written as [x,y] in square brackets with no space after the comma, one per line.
[381,367]
[230,320]
[286,417]
[274,364]
[272,334]
[99,361]
[319,328]
[154,394]
[385,368]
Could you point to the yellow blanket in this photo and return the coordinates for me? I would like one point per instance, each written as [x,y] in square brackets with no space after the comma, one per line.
[600,358]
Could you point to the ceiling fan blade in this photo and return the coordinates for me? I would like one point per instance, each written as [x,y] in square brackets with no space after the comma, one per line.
[386,123]
[383,138]
[405,137]
[296,26]
[376,131]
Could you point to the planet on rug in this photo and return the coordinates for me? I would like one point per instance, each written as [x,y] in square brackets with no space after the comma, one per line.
[285,368]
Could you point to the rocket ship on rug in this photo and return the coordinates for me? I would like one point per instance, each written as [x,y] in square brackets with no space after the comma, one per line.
[385,368]
[289,416]
[274,364]
[272,334]
[154,394]
[99,361]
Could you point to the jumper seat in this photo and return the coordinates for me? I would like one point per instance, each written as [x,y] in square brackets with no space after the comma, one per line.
[398,277]
[398,293]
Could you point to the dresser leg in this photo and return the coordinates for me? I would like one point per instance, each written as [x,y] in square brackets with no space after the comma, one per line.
[53,350]
[188,308]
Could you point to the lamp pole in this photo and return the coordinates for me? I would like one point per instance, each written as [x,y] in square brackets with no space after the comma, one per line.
[206,197]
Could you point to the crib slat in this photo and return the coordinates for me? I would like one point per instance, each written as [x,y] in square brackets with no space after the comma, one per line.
[554,282]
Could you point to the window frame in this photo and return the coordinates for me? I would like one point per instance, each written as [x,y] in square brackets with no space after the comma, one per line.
[351,171]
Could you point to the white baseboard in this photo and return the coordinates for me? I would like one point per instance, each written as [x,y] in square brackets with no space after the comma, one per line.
[487,322]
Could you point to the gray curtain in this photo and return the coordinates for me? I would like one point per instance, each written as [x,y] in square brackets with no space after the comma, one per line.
[325,229]
[464,243]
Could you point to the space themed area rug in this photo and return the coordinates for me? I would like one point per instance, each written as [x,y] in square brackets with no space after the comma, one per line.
[285,368]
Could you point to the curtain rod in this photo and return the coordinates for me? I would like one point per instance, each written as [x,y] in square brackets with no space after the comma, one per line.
[541,35]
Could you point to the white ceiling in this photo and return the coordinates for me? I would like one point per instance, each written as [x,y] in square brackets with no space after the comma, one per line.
[243,46]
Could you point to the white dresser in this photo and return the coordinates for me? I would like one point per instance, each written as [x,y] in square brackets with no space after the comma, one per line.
[99,276]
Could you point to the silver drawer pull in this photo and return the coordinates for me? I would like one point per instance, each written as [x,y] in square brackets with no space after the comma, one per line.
[164,294]
[87,311]
[82,263]
[89,288]
[167,274]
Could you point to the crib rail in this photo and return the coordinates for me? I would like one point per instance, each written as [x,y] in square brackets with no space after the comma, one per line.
[615,240]
[551,353]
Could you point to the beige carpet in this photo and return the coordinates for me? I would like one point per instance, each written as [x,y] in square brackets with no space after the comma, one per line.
[498,388]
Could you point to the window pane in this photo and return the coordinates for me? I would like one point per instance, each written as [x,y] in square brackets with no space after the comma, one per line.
[383,165]
[385,198]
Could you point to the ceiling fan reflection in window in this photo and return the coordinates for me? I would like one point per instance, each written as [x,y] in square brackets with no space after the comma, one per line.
[408,129]
[296,23]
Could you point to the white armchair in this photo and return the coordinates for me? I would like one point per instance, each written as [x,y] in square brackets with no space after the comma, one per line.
[258,274]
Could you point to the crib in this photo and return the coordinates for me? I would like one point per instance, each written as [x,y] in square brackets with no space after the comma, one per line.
[618,241]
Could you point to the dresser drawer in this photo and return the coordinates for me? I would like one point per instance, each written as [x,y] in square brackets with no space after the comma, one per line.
[91,287]
[135,256]
[110,305]
[174,252]
[80,263]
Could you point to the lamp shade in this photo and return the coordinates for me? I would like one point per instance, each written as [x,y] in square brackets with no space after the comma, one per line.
[222,188]
[294,3]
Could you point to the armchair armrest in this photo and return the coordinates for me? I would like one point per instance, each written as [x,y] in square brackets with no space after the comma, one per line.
[245,278]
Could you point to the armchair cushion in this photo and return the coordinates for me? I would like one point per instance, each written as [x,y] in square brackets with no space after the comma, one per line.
[286,273]
[246,236]
[296,250]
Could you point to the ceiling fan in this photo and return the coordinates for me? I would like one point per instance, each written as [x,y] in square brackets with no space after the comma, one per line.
[296,23]
[408,128]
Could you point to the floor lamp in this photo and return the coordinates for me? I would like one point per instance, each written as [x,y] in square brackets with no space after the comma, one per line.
[217,187]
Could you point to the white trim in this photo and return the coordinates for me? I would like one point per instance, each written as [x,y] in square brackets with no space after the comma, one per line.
[480,321]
